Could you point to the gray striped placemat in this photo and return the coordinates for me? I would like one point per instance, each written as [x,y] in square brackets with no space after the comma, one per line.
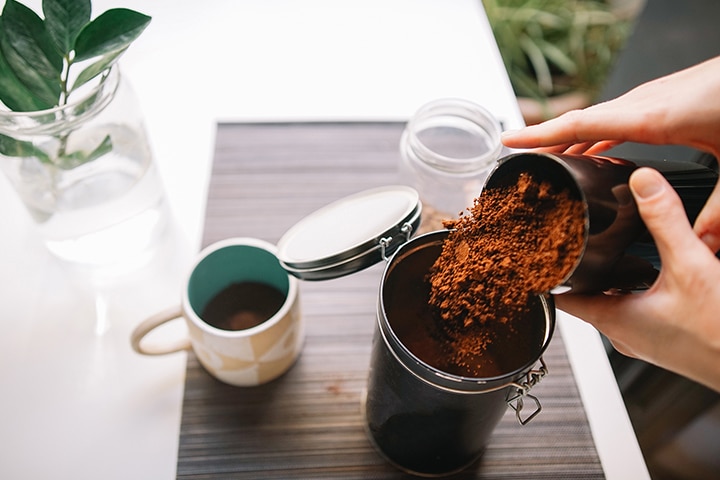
[308,424]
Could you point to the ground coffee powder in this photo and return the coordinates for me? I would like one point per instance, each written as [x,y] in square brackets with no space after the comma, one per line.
[517,241]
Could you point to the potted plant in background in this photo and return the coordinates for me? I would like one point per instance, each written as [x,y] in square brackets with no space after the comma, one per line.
[72,140]
[558,53]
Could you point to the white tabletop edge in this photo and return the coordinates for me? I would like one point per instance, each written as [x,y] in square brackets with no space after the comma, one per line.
[615,439]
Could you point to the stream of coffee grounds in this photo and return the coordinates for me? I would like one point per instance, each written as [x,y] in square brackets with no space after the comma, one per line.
[516,241]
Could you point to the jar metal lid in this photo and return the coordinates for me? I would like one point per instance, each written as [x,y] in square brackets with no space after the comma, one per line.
[350,234]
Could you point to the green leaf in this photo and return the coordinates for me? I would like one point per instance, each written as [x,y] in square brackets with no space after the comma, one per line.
[112,31]
[27,35]
[64,19]
[558,57]
[30,52]
[539,63]
[45,90]
[78,158]
[13,92]
[36,55]
[96,68]
[11,147]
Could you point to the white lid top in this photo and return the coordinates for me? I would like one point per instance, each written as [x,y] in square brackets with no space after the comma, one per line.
[348,235]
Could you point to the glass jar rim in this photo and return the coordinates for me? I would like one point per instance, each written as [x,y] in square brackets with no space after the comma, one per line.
[461,110]
[94,99]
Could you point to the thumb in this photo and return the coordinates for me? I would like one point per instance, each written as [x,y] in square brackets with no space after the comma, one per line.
[663,213]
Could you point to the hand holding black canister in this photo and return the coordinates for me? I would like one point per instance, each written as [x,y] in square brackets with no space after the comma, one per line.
[673,324]
[619,253]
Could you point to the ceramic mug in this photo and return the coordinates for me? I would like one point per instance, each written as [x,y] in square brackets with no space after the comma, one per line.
[245,357]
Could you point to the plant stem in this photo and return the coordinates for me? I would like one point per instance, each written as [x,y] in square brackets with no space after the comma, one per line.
[62,101]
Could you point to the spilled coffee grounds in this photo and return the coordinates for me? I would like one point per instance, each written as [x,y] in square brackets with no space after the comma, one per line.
[517,242]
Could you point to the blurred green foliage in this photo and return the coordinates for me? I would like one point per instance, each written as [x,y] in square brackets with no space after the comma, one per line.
[551,47]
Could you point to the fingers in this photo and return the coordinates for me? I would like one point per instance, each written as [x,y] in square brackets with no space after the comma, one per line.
[707,224]
[579,148]
[591,308]
[598,123]
[664,216]
[604,312]
[587,148]
[547,134]
[625,317]
[600,147]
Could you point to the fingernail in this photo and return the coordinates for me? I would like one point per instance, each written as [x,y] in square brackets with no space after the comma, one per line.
[647,183]
[509,133]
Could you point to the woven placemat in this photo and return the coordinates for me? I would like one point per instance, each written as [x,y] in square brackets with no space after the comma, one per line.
[308,423]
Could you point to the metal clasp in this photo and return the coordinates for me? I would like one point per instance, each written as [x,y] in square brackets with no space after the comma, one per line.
[406,229]
[522,391]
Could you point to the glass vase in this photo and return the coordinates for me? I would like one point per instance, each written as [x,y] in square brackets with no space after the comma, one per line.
[85,173]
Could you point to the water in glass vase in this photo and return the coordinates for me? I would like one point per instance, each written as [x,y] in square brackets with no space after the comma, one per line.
[106,211]
[85,173]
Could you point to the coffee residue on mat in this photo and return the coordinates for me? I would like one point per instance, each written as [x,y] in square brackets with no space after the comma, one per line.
[518,241]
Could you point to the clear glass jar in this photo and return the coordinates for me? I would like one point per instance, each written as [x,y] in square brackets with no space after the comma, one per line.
[85,173]
[447,151]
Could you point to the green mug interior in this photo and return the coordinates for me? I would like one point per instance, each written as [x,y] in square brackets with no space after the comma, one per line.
[233,264]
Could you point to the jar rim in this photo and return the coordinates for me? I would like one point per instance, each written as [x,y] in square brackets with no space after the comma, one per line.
[435,376]
[94,99]
[107,76]
[467,112]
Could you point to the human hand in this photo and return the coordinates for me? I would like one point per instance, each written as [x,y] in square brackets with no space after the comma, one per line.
[679,109]
[674,324]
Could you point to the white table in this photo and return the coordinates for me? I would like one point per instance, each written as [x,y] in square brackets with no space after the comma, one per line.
[76,401]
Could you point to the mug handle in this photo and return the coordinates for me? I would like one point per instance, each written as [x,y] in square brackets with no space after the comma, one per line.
[152,323]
